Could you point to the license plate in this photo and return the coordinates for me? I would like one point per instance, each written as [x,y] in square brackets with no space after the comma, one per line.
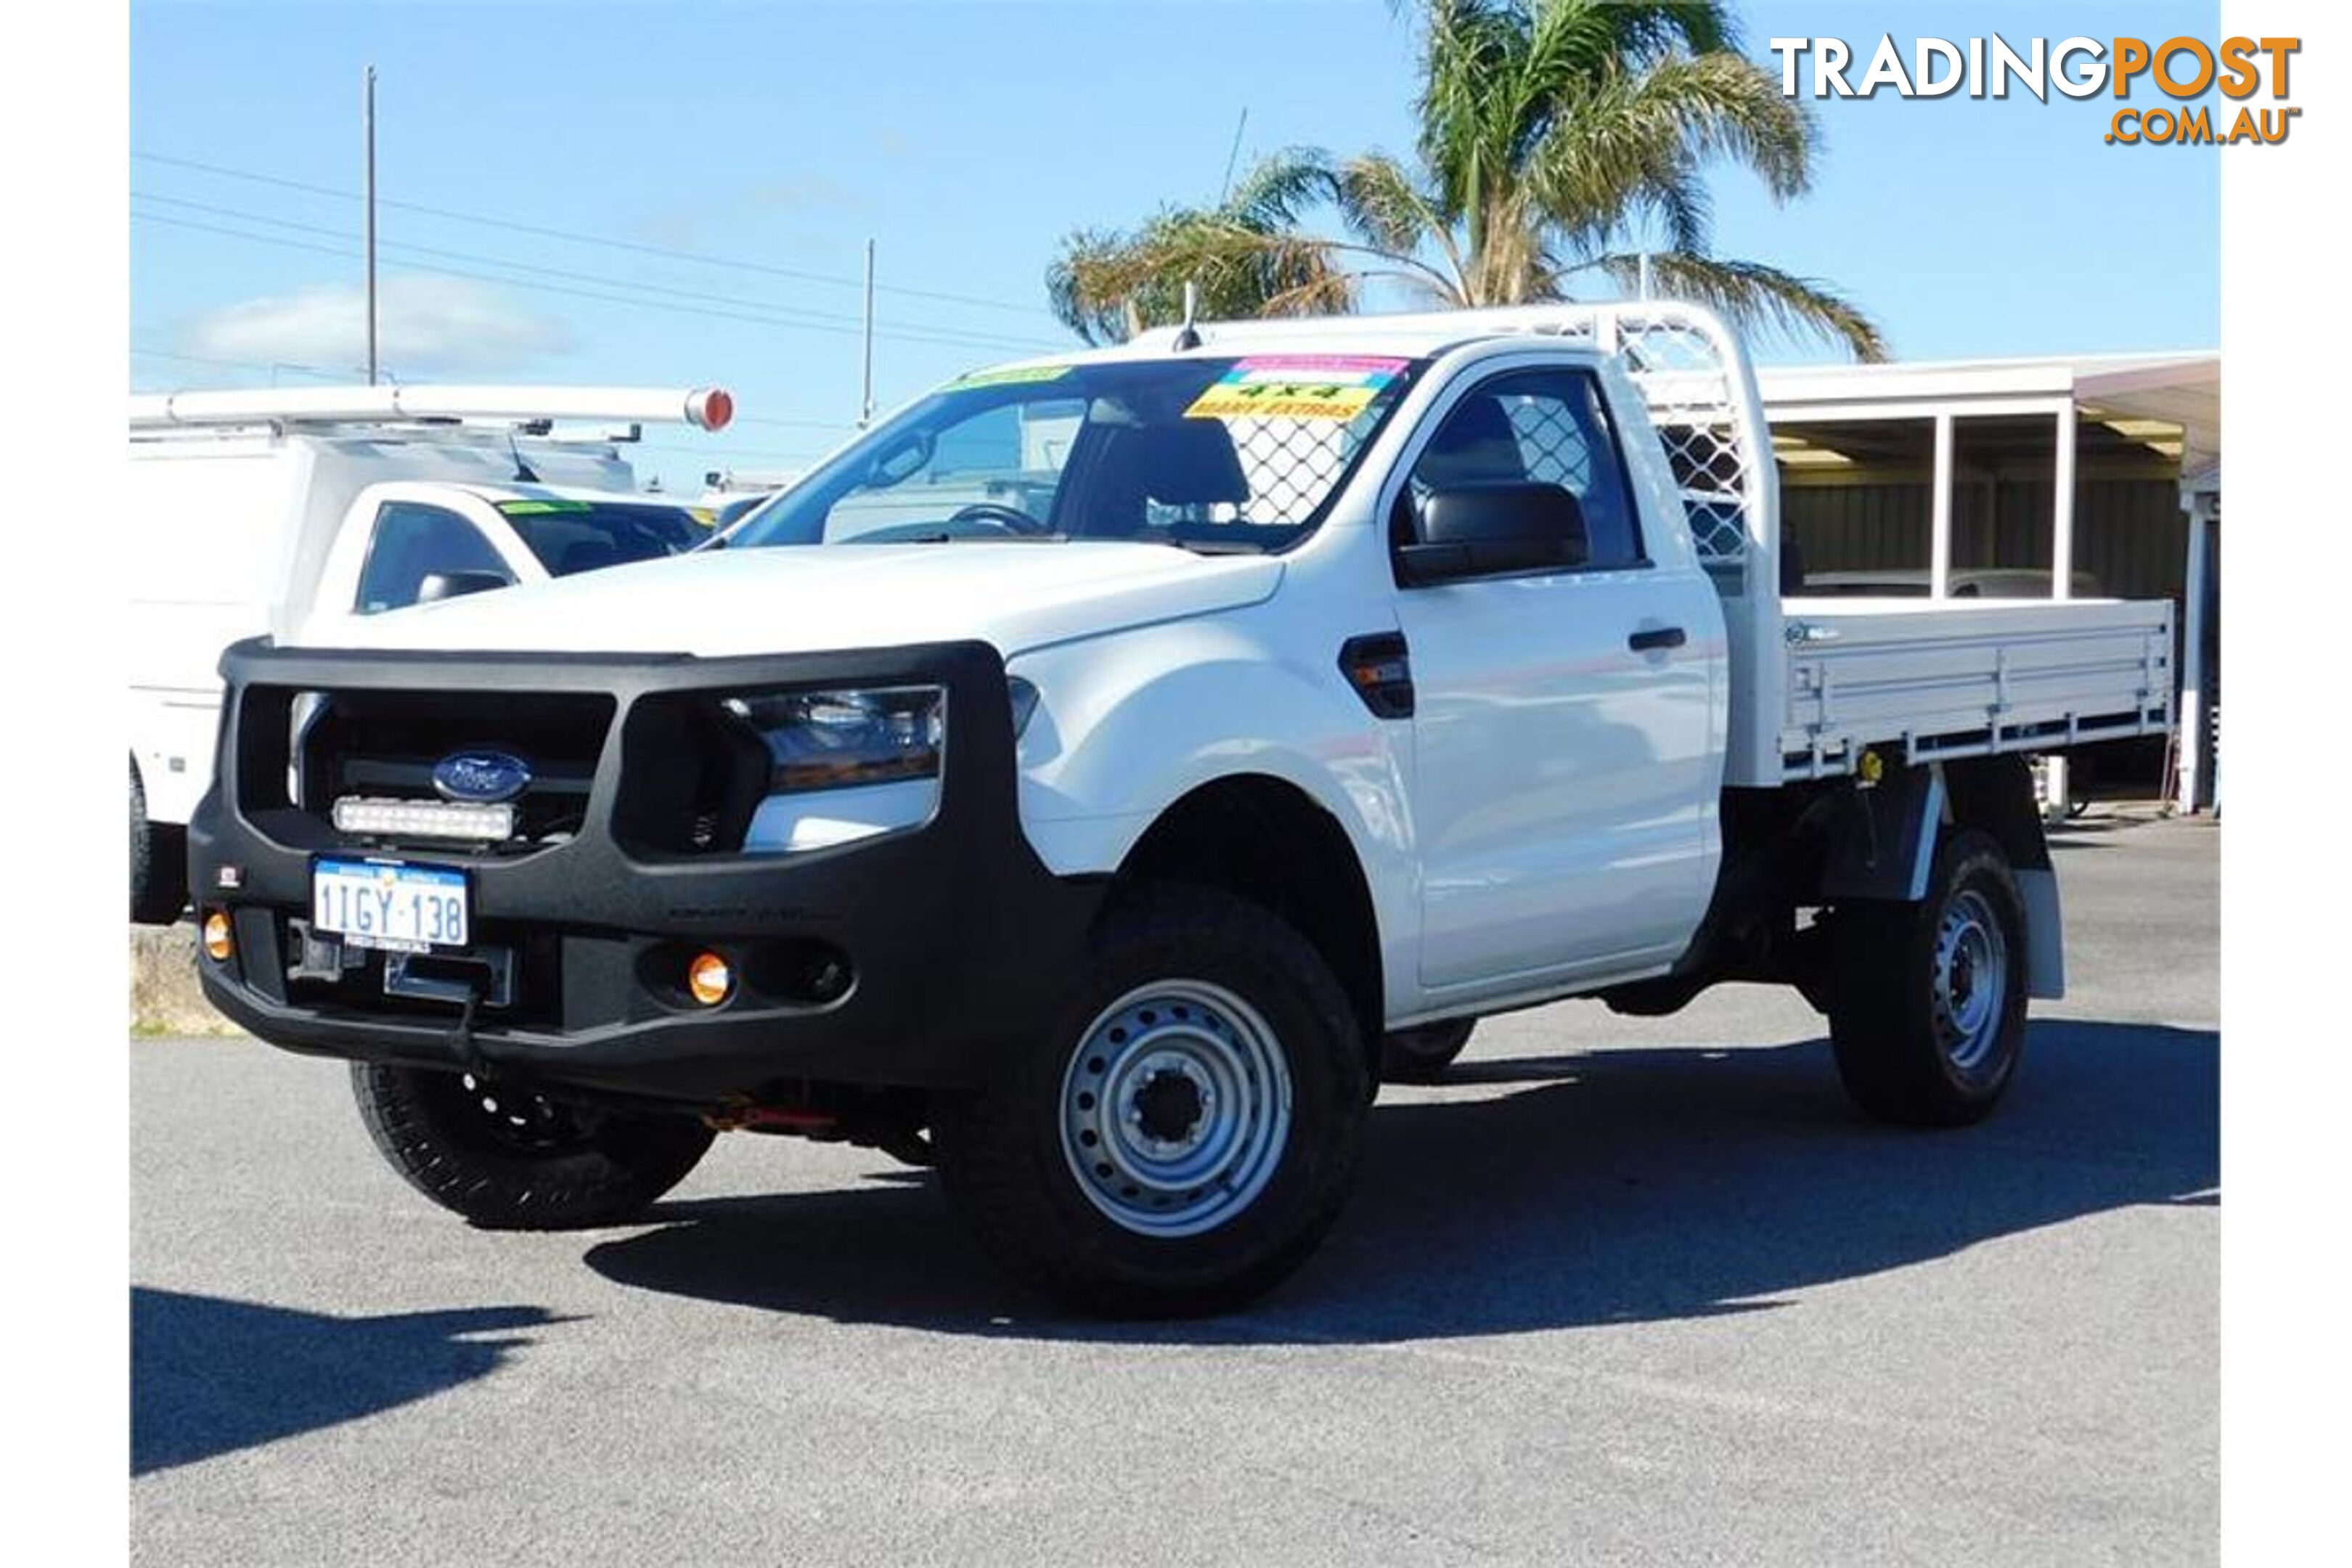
[390,904]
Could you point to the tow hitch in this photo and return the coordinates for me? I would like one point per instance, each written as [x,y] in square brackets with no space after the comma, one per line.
[892,1122]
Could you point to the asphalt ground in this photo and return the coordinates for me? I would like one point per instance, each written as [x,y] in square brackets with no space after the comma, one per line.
[1626,1291]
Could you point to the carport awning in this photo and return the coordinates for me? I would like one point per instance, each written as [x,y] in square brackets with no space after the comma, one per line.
[2169,401]
[2186,392]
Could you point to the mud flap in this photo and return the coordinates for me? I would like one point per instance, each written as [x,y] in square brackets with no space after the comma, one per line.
[2045,935]
[1885,846]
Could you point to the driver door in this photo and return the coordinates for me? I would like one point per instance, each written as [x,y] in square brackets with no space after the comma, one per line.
[1565,770]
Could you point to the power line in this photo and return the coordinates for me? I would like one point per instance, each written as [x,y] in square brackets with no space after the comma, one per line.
[574,236]
[728,449]
[651,304]
[937,333]
[844,426]
[144,353]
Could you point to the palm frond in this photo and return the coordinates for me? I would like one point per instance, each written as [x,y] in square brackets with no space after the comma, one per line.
[1076,288]
[1105,287]
[1381,200]
[1275,191]
[1468,47]
[1753,297]
[1647,33]
[1633,147]
[1730,106]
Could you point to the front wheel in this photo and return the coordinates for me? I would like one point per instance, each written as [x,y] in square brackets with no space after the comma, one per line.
[1181,1136]
[511,1160]
[1928,1019]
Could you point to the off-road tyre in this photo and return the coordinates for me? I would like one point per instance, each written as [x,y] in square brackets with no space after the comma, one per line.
[509,1160]
[1917,1040]
[1423,1054]
[1027,1158]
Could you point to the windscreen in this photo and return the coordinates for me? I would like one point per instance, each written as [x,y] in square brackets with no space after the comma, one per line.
[571,536]
[1202,452]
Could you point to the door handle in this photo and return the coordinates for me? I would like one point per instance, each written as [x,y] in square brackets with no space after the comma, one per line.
[1656,638]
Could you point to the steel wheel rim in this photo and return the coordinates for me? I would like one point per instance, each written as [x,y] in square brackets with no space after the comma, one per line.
[1971,983]
[1175,1108]
[522,1121]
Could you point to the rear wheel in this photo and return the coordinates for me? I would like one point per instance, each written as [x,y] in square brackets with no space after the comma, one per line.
[1929,1016]
[1181,1136]
[511,1160]
[1422,1055]
[159,863]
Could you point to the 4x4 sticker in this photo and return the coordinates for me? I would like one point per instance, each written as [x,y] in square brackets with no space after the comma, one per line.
[1296,386]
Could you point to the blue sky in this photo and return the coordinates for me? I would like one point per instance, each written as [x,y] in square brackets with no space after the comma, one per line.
[966,138]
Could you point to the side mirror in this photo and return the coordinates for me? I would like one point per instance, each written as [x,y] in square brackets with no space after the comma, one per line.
[1478,530]
[435,586]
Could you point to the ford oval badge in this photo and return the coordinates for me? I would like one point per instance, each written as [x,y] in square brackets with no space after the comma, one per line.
[486,777]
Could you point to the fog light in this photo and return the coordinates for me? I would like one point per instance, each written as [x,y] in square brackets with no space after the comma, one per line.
[218,943]
[709,980]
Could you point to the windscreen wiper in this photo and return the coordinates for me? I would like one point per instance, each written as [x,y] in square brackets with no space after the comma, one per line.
[1218,546]
[944,537]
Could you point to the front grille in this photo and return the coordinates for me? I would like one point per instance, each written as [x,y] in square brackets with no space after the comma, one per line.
[386,744]
[691,776]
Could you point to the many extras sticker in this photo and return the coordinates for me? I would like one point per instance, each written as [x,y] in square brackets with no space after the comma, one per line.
[1296,386]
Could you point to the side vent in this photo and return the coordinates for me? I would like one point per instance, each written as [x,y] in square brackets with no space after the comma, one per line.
[1380,670]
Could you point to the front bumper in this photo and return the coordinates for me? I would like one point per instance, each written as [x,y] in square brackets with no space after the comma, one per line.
[955,937]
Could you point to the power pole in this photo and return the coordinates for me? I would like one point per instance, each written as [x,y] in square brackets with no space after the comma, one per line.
[866,393]
[368,126]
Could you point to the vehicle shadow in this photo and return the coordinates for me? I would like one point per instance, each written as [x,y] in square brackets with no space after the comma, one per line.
[1621,1186]
[210,1375]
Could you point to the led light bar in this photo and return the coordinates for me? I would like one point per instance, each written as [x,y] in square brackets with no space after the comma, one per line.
[425,819]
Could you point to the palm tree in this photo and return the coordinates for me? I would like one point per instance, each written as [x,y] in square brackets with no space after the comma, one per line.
[1556,137]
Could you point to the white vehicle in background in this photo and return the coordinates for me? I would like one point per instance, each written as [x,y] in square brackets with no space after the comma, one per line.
[281,512]
[731,494]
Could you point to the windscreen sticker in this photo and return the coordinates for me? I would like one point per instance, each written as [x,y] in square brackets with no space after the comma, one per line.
[1016,375]
[1297,386]
[537,508]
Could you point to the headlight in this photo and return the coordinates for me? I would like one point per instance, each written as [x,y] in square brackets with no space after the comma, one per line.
[834,740]
[843,766]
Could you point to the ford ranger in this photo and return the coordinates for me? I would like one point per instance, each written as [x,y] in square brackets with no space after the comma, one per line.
[1096,777]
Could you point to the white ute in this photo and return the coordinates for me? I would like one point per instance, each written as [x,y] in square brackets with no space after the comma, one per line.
[280,512]
[1097,776]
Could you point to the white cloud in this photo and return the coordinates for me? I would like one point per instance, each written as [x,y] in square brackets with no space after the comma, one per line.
[424,325]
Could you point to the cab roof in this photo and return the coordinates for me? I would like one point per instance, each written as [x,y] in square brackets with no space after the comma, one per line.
[1406,335]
